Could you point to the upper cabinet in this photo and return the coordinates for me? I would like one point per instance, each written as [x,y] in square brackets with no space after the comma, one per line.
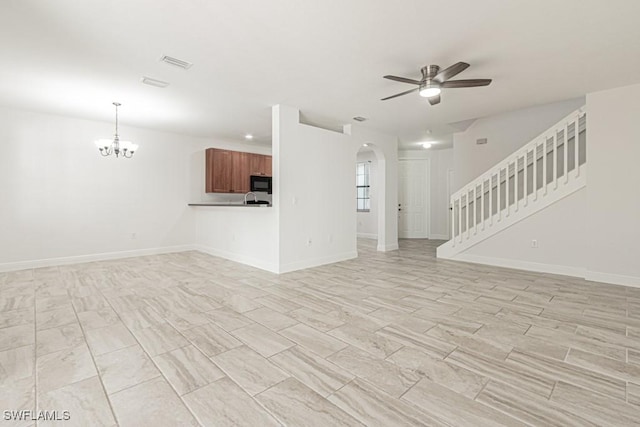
[256,164]
[218,171]
[267,166]
[240,172]
[259,164]
[229,171]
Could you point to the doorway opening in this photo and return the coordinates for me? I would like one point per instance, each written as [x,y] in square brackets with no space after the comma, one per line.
[414,199]
[370,195]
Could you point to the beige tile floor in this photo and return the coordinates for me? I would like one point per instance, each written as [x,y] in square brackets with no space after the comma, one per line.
[388,339]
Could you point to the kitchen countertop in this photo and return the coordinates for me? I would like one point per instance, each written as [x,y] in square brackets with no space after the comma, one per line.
[234,205]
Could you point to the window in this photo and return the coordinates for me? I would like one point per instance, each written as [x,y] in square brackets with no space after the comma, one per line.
[362,186]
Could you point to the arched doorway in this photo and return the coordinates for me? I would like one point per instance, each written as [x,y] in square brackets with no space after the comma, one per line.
[370,195]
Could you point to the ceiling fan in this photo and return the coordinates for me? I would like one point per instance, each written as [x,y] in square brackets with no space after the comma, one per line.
[433,80]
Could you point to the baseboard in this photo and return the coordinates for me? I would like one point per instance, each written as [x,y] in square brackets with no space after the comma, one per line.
[315,262]
[367,236]
[78,259]
[439,237]
[242,259]
[593,276]
[389,247]
[521,265]
[614,279]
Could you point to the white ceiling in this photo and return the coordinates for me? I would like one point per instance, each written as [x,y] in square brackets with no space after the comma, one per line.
[74,57]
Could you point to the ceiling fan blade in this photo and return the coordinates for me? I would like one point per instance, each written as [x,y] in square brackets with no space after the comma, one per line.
[447,73]
[403,80]
[465,83]
[434,100]
[400,94]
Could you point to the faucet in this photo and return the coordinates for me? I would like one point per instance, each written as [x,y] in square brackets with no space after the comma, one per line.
[255,197]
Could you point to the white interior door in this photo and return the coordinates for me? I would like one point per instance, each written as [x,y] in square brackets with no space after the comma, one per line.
[413,203]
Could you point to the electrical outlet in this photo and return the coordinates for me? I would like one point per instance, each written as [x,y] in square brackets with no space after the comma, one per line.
[308,241]
[534,243]
[134,236]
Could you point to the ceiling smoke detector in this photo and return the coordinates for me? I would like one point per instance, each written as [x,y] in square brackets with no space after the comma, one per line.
[359,118]
[153,82]
[176,62]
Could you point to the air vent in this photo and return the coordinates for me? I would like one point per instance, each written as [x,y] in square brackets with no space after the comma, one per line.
[153,82]
[481,141]
[359,118]
[176,62]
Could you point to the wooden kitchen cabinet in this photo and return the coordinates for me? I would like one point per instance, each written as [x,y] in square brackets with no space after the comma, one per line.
[260,165]
[240,181]
[230,171]
[256,164]
[218,170]
[268,170]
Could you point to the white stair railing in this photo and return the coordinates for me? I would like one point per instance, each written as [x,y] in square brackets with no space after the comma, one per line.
[526,177]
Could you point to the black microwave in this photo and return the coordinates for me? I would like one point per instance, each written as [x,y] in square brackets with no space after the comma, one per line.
[261,183]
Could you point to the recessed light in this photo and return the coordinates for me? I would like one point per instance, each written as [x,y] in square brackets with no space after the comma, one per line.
[359,118]
[248,136]
[365,145]
[426,145]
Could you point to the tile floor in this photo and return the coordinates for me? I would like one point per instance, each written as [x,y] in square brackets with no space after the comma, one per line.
[389,339]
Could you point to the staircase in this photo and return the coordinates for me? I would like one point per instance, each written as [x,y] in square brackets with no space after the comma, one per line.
[542,172]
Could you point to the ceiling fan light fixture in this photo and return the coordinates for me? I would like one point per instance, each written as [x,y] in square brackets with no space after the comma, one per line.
[429,90]
[433,80]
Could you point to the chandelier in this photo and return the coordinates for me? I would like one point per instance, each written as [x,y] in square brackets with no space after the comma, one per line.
[107,147]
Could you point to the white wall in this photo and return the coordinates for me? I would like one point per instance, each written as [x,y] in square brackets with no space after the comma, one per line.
[386,149]
[60,199]
[613,204]
[440,162]
[505,134]
[560,235]
[368,221]
[314,192]
[242,234]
